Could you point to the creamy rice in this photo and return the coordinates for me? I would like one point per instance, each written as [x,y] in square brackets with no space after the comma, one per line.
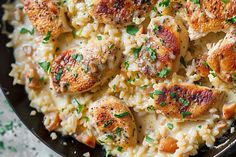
[127,84]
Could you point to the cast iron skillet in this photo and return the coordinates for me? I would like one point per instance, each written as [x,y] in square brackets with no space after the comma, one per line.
[19,101]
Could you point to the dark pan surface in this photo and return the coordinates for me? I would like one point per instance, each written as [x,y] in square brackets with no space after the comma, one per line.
[20,103]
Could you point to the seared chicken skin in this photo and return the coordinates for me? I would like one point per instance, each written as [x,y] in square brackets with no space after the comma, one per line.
[119,12]
[186,101]
[222,58]
[202,67]
[209,16]
[113,122]
[79,70]
[167,40]
[47,17]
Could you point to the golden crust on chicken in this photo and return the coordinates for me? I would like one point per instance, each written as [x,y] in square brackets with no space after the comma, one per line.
[47,17]
[209,16]
[186,101]
[113,119]
[167,40]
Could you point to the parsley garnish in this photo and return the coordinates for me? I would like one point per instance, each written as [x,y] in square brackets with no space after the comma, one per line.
[185,113]
[170,126]
[99,37]
[58,75]
[163,73]
[25,30]
[131,29]
[149,139]
[47,37]
[121,115]
[136,51]
[45,66]
[118,131]
[195,1]
[164,3]
[80,107]
[119,148]
[126,65]
[225,1]
[162,104]
[172,95]
[231,20]
[152,53]
[107,123]
[183,101]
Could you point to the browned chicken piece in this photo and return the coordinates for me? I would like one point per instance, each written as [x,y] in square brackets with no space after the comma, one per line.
[112,120]
[202,67]
[229,110]
[209,16]
[160,55]
[47,17]
[51,120]
[168,145]
[222,59]
[186,101]
[120,12]
[79,70]
[32,79]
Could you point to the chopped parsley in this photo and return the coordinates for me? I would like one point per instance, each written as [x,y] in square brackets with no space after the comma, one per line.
[156,92]
[206,64]
[119,148]
[74,56]
[170,126]
[108,123]
[45,66]
[163,73]
[164,3]
[79,58]
[182,61]
[199,126]
[212,73]
[151,108]
[195,1]
[109,137]
[131,29]
[8,125]
[126,65]
[156,28]
[2,131]
[162,104]
[232,20]
[184,101]
[58,75]
[99,37]
[25,30]
[80,107]
[86,68]
[118,131]
[172,95]
[149,139]
[136,51]
[47,37]
[154,9]
[185,113]
[152,53]
[2,145]
[121,115]
[225,1]
[74,33]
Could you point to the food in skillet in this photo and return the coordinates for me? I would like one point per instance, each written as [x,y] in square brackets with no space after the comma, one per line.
[141,78]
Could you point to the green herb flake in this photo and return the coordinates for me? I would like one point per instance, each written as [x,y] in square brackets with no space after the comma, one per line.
[195,1]
[8,125]
[158,92]
[25,30]
[232,20]
[213,73]
[99,37]
[118,131]
[109,137]
[199,126]
[79,58]
[86,68]
[74,56]
[164,3]
[74,33]
[172,95]
[225,1]
[2,145]
[143,86]
[118,148]
[156,28]
[80,107]
[162,104]
[182,61]
[234,77]
[170,126]
[108,123]
[163,73]
[149,139]
[184,101]
[2,131]
[45,66]
[126,65]
[136,51]
[154,9]
[114,87]
[58,75]
[47,37]
[152,54]
[121,115]
[12,149]
[151,108]
[132,29]
[185,114]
